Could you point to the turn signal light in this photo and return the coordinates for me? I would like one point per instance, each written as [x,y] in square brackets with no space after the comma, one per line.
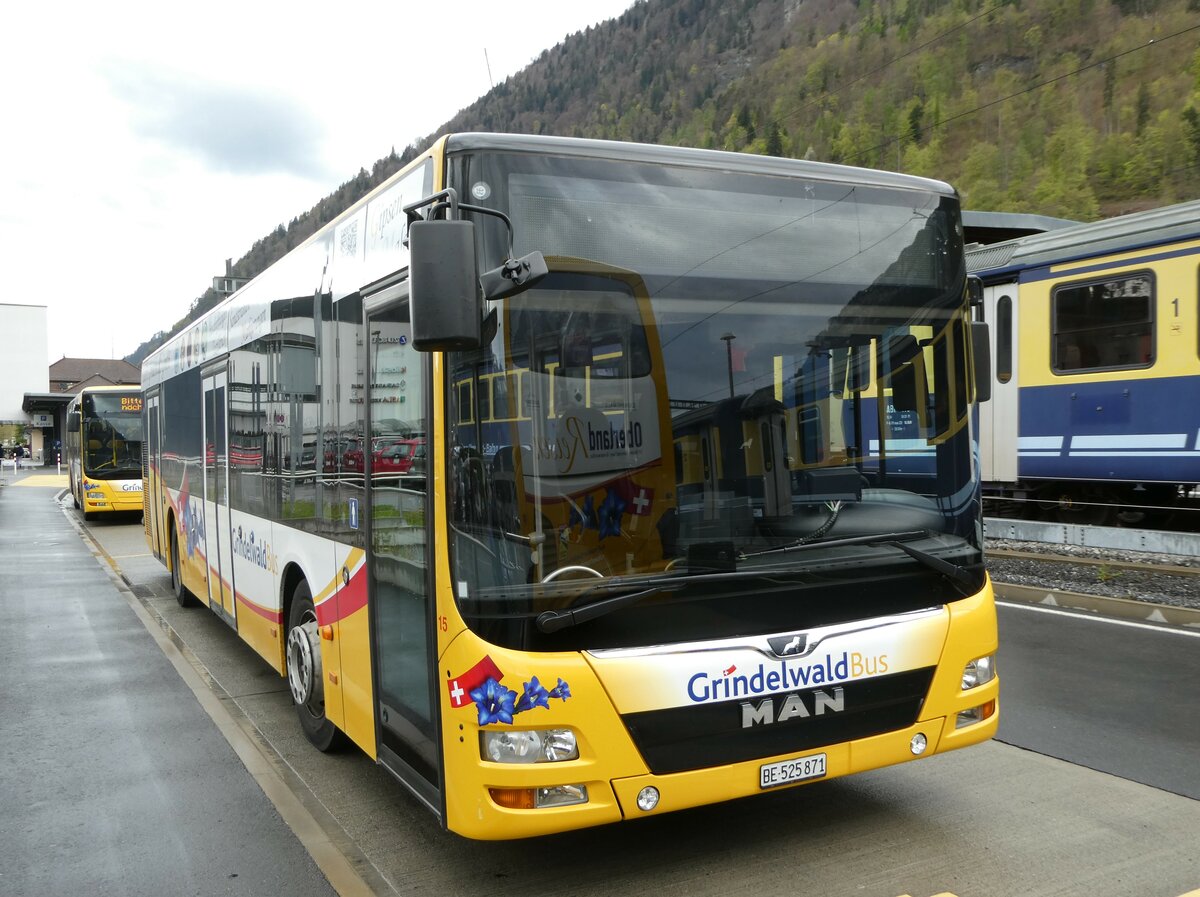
[513,798]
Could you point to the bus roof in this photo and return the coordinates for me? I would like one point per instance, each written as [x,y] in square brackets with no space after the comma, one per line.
[688,156]
[246,311]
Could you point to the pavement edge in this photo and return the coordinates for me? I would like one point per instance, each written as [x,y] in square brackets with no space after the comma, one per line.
[349,872]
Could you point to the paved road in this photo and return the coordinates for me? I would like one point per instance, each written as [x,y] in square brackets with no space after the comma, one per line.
[992,821]
[1115,696]
[114,780]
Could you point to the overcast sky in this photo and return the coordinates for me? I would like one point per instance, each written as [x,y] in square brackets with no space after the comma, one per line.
[145,143]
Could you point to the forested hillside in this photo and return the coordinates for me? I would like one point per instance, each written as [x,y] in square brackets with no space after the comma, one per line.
[1073,108]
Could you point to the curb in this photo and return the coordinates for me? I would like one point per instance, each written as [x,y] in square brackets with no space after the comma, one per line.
[339,859]
[1122,608]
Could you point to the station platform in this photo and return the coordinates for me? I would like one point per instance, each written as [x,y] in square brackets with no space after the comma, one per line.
[115,779]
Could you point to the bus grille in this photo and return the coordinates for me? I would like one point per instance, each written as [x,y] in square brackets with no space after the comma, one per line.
[697,737]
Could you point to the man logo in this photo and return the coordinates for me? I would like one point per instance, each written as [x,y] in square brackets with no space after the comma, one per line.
[788,645]
[817,702]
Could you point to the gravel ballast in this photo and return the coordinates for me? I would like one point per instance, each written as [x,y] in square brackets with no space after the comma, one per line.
[1103,576]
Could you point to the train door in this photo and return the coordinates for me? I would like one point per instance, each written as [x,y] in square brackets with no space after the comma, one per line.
[218,538]
[152,505]
[998,419]
[401,605]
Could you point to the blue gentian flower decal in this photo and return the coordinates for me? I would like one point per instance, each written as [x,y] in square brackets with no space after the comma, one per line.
[584,517]
[498,704]
[495,702]
[534,695]
[609,514]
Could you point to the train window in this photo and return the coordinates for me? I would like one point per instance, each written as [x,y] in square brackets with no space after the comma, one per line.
[1004,342]
[1103,324]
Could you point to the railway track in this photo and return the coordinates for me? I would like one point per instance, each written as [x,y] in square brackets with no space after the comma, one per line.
[1147,577]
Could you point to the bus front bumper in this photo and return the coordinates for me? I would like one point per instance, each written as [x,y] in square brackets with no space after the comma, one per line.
[628,798]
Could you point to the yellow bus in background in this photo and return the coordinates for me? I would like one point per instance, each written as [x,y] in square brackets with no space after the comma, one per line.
[697,514]
[103,449]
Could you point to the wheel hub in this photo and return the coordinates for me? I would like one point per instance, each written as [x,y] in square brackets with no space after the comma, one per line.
[304,662]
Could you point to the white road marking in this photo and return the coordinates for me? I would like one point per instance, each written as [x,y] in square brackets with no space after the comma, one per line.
[1098,619]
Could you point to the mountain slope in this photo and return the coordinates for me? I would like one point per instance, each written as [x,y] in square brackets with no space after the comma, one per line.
[1071,108]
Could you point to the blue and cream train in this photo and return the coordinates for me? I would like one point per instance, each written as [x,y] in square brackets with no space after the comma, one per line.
[1096,343]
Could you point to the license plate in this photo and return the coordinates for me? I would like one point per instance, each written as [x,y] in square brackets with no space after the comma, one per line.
[785,772]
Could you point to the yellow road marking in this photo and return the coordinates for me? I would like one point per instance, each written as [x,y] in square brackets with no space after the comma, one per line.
[47,480]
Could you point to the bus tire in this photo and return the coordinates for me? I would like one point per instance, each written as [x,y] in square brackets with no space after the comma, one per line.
[306,678]
[184,597]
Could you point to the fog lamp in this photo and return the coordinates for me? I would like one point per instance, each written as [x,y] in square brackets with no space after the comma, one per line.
[975,715]
[979,671]
[918,744]
[647,798]
[560,796]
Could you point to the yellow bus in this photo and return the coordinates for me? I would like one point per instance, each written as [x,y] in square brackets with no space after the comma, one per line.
[103,448]
[696,512]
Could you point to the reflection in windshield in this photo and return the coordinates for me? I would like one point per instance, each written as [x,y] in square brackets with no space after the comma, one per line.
[694,410]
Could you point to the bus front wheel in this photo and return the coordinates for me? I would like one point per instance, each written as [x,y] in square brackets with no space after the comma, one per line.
[304,671]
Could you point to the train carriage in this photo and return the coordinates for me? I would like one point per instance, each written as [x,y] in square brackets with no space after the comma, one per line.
[1094,417]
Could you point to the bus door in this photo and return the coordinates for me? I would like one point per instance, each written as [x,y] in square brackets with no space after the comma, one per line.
[151,479]
[401,604]
[218,537]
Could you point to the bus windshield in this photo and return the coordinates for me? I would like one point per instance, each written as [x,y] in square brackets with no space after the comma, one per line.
[112,436]
[721,369]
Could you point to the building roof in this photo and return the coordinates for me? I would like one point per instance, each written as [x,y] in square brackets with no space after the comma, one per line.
[72,372]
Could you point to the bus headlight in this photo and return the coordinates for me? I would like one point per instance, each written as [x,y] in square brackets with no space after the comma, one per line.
[979,671]
[528,745]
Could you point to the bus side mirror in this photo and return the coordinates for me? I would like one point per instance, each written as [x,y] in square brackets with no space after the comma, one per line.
[514,276]
[975,294]
[981,351]
[445,303]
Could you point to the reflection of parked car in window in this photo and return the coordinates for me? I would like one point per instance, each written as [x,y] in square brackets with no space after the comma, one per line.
[352,458]
[402,456]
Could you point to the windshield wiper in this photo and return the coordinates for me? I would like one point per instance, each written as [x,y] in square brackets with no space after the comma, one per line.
[887,540]
[933,562]
[554,620]
[873,539]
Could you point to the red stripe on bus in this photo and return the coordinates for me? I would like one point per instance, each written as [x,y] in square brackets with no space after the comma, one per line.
[266,613]
[348,600]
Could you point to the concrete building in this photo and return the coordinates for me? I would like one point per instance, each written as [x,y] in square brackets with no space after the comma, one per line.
[24,369]
[34,394]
